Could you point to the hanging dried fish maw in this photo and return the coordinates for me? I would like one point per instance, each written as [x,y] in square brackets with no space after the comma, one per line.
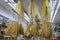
[7,30]
[45,13]
[49,12]
[21,29]
[20,8]
[47,29]
[31,31]
[11,30]
[32,9]
[14,29]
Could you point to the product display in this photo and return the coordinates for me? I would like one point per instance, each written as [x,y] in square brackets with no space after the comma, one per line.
[47,30]
[31,31]
[32,10]
[14,29]
[20,8]
[46,25]
[45,11]
[29,20]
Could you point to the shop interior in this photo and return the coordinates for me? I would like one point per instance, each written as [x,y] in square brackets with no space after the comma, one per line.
[29,19]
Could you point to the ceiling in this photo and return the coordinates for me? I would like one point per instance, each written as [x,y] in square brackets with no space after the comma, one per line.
[57,18]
